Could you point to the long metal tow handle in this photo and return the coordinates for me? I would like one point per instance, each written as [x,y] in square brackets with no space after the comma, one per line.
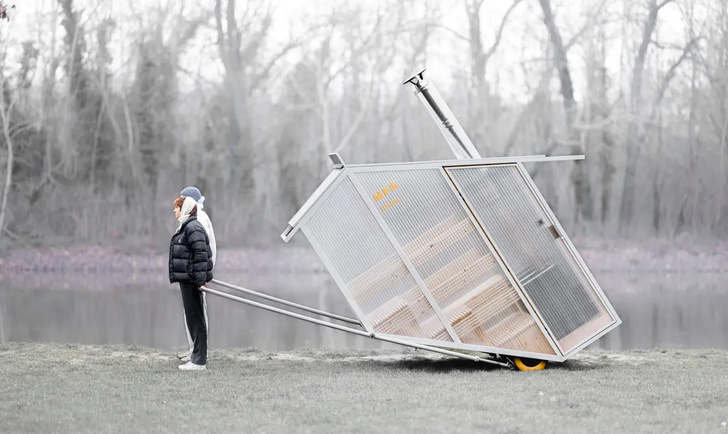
[286,302]
[349,329]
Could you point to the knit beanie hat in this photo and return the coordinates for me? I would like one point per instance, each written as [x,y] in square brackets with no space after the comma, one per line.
[192,192]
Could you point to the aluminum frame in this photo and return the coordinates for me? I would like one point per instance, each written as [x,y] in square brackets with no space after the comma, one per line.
[334,178]
[471,162]
[286,302]
[406,260]
[506,267]
[525,299]
[498,351]
[340,174]
[570,249]
[567,241]
[577,258]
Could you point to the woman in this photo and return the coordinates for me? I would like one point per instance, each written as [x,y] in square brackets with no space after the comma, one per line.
[190,264]
[204,219]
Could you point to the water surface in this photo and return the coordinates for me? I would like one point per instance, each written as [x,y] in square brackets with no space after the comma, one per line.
[657,310]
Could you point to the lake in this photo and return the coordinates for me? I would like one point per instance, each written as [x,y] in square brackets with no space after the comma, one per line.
[657,310]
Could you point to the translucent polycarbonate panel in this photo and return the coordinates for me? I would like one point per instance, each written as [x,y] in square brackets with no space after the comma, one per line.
[344,230]
[521,231]
[450,255]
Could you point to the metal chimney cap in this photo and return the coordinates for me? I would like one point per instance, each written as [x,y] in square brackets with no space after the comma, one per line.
[415,78]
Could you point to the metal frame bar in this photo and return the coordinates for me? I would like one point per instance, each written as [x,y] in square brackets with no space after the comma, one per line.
[349,329]
[498,351]
[457,163]
[405,259]
[577,258]
[502,264]
[286,302]
[336,176]
[353,304]
[507,266]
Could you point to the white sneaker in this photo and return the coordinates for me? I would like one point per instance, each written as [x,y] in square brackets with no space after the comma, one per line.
[189,366]
[185,355]
[185,358]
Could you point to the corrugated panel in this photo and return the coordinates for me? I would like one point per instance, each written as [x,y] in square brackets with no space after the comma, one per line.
[439,239]
[374,275]
[510,214]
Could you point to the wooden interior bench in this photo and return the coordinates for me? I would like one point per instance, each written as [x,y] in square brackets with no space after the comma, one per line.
[410,313]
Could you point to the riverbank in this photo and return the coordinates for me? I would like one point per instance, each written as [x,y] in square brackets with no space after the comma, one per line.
[72,388]
[72,265]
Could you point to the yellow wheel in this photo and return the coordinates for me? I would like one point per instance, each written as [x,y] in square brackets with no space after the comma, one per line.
[524,364]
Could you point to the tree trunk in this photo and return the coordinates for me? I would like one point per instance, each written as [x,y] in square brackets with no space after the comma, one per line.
[606,153]
[478,96]
[579,177]
[635,129]
[657,185]
[5,114]
[721,126]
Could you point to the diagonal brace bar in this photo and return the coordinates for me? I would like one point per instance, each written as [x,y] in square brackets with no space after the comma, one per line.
[349,329]
[286,302]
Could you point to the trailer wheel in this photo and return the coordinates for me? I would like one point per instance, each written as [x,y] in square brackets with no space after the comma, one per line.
[524,364]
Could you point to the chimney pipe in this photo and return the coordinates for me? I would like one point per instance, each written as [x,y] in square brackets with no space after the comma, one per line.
[443,116]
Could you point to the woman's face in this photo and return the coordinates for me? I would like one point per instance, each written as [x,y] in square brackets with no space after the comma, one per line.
[177,212]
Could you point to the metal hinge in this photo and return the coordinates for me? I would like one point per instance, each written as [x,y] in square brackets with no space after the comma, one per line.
[555,232]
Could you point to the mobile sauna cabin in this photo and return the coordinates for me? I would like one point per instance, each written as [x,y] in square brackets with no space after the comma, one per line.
[462,254]
[456,257]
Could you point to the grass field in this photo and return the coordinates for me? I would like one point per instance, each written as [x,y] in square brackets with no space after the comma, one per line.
[70,388]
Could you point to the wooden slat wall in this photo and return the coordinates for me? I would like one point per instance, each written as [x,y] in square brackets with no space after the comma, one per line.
[491,314]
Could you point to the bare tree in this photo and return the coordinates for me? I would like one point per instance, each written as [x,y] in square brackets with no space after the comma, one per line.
[241,46]
[714,66]
[636,131]
[579,178]
[479,58]
[256,136]
[6,108]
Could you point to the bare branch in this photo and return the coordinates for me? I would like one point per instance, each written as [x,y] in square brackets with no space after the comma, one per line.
[352,129]
[453,32]
[264,73]
[663,3]
[670,74]
[647,29]
[220,33]
[587,25]
[499,34]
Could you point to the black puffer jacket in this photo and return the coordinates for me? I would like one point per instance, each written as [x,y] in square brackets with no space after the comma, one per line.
[190,257]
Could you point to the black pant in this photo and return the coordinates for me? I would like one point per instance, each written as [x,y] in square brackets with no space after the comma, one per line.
[194,313]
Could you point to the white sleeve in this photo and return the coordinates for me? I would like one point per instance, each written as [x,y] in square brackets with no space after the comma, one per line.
[207,224]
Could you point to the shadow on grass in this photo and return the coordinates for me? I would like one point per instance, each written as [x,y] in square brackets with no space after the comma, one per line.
[436,365]
[575,365]
[449,365]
